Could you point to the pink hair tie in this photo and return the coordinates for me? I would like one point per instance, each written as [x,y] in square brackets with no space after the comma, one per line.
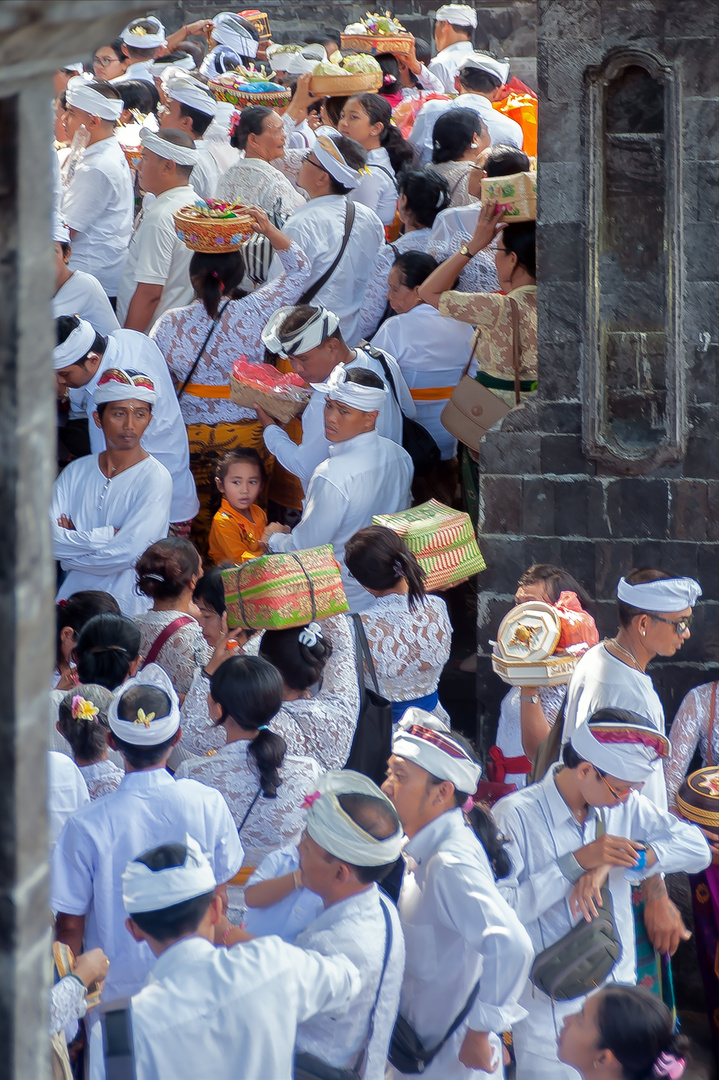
[389,79]
[669,1065]
[309,799]
[468,804]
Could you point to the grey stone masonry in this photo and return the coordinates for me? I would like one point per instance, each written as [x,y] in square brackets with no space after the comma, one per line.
[616,464]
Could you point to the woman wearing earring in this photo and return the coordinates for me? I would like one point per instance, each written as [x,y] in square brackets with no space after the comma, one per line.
[458,138]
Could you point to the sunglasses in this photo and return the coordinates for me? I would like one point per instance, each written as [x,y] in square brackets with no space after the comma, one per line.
[620,796]
[681,626]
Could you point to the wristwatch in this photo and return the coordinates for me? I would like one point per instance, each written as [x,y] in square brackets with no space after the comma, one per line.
[464,250]
[533,700]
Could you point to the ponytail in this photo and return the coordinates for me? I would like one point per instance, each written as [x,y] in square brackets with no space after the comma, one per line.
[485,829]
[379,111]
[379,558]
[639,1030]
[268,749]
[299,654]
[217,277]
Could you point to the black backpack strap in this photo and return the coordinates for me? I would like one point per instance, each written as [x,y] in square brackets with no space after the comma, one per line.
[310,293]
[205,343]
[385,961]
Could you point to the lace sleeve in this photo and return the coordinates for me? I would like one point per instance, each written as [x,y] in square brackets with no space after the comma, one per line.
[289,166]
[280,291]
[179,656]
[690,727]
[330,719]
[68,1002]
[199,733]
[551,698]
[375,298]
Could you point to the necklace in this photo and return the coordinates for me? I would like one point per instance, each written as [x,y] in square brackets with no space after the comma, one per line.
[629,653]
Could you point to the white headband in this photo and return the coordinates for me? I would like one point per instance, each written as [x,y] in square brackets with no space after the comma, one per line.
[140,39]
[78,67]
[59,232]
[82,96]
[670,594]
[485,62]
[76,345]
[334,830]
[299,61]
[228,30]
[332,160]
[457,14]
[159,67]
[189,92]
[364,398]
[119,385]
[215,63]
[316,330]
[144,889]
[146,729]
[628,752]
[181,155]
[422,739]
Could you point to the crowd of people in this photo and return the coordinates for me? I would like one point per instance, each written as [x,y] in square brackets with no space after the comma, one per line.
[247,904]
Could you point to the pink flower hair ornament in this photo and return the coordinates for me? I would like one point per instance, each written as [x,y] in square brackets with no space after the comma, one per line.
[84,710]
[670,1066]
[310,799]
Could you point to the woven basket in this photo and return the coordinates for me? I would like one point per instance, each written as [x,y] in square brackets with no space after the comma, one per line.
[278,407]
[240,96]
[259,20]
[345,85]
[380,43]
[441,539]
[211,235]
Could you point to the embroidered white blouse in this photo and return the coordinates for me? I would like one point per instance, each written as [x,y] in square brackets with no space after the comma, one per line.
[690,730]
[257,183]
[101,778]
[182,653]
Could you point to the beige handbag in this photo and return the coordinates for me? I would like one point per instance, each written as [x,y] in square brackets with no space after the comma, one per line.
[473,409]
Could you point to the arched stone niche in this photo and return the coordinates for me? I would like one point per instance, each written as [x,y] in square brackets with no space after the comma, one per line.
[634,406]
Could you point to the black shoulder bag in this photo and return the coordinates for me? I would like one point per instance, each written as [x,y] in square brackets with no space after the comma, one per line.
[407,1052]
[372,742]
[309,1067]
[311,292]
[200,354]
[416,440]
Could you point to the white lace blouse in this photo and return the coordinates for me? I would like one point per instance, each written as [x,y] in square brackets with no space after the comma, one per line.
[179,335]
[256,183]
[182,653]
[102,777]
[409,648]
[690,730]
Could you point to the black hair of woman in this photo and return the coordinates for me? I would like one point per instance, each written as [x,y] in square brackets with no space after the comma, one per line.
[167,568]
[453,135]
[519,237]
[391,81]
[251,122]
[426,194]
[638,1028]
[216,277]
[82,720]
[379,111]
[555,580]
[379,559]
[107,649]
[210,591]
[503,159]
[299,654]
[414,267]
[78,609]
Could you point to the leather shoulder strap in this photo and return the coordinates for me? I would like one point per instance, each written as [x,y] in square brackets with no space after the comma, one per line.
[515,345]
[364,650]
[164,636]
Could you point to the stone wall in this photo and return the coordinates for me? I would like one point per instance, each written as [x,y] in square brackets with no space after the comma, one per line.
[563,480]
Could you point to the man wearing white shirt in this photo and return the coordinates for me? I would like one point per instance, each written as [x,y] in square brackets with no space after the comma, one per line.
[156,275]
[142,41]
[453,27]
[78,293]
[363,475]
[584,826]
[467,952]
[208,1011]
[97,843]
[192,108]
[82,357]
[310,338]
[97,204]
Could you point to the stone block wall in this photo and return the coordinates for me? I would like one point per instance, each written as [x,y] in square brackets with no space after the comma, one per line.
[553,486]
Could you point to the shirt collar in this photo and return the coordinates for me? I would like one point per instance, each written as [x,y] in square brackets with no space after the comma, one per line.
[147,778]
[558,809]
[359,441]
[356,906]
[180,953]
[428,839]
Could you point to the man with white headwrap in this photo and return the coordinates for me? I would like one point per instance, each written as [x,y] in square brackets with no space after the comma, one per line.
[352,840]
[81,358]
[97,204]
[310,338]
[107,508]
[363,475]
[156,276]
[453,28]
[191,108]
[149,807]
[212,1012]
[236,42]
[587,824]
[142,41]
[467,953]
[78,293]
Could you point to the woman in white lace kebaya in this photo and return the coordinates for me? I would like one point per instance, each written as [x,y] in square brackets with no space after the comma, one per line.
[263,785]
[82,721]
[458,138]
[254,181]
[168,572]
[214,424]
[408,632]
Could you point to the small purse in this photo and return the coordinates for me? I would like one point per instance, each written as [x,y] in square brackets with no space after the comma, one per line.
[372,742]
[407,1052]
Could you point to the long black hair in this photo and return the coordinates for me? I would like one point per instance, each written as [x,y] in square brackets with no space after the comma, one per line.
[249,691]
[520,237]
[379,111]
[426,194]
[453,134]
[379,558]
[638,1028]
[79,609]
[217,277]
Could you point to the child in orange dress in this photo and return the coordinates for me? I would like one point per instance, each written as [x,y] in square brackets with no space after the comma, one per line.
[237,526]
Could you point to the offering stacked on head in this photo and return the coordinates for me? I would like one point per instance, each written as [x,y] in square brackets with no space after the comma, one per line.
[539,644]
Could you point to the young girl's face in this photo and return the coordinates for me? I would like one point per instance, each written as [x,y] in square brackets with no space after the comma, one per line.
[242,484]
[356,124]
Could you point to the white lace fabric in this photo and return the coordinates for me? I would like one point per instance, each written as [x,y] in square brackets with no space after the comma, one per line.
[690,730]
[409,648]
[102,778]
[480,273]
[181,653]
[457,174]
[256,183]
[180,333]
[68,1003]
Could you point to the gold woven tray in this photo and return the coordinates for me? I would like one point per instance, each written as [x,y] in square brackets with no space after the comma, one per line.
[345,85]
[376,43]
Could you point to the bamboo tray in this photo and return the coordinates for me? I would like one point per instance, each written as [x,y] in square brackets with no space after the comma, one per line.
[376,43]
[345,85]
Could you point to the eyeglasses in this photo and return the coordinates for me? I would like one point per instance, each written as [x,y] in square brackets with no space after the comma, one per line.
[103,61]
[620,796]
[681,626]
[316,164]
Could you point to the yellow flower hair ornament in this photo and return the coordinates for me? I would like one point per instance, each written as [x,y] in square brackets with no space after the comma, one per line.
[144,718]
[83,709]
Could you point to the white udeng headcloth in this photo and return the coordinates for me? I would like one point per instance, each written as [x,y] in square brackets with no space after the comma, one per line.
[316,330]
[671,594]
[76,345]
[82,96]
[334,830]
[181,155]
[457,14]
[117,384]
[422,739]
[159,67]
[227,29]
[148,729]
[629,752]
[188,91]
[485,62]
[144,889]
[140,39]
[332,160]
[364,398]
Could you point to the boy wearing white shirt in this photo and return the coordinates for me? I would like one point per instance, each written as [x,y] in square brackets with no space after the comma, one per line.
[561,860]
[191,108]
[142,41]
[78,293]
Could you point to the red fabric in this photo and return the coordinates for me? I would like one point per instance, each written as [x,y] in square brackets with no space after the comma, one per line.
[515,86]
[577,625]
[498,765]
[164,636]
[437,739]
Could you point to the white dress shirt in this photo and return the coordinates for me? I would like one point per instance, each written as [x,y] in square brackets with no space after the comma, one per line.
[221,1014]
[458,930]
[66,792]
[318,228]
[83,295]
[157,256]
[378,191]
[205,175]
[356,928]
[601,681]
[431,351]
[292,914]
[363,476]
[445,65]
[98,204]
[166,434]
[543,835]
[302,460]
[115,521]
[502,129]
[139,69]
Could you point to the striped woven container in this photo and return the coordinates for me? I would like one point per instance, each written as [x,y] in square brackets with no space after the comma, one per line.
[441,539]
[244,95]
[292,588]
